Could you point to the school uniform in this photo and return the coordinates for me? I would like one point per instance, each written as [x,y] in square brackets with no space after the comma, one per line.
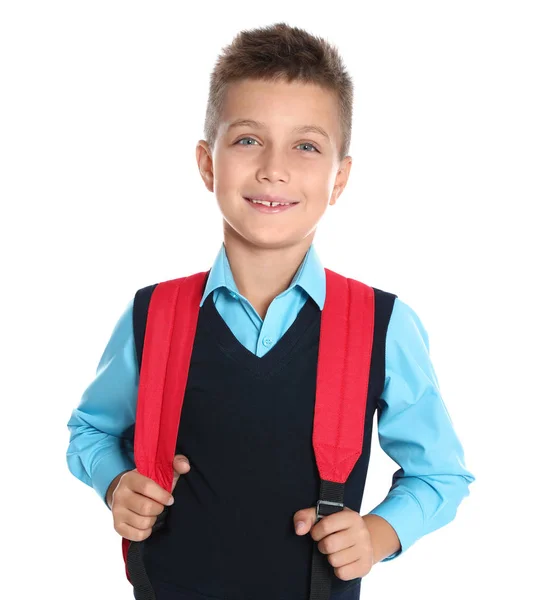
[246,428]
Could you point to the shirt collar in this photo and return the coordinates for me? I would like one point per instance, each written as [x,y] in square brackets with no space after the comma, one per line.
[310,276]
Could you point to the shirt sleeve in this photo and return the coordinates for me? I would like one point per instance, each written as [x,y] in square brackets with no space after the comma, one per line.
[416,431]
[101,427]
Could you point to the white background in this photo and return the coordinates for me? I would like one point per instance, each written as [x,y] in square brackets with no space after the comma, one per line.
[102,104]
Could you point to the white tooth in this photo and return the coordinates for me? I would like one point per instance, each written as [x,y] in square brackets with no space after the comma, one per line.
[270,203]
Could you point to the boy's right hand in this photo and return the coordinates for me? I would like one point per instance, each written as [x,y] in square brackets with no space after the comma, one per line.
[137,501]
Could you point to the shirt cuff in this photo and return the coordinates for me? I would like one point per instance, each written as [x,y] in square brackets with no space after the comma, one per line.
[106,469]
[404,513]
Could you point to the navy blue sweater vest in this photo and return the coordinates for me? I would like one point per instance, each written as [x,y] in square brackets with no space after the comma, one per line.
[246,428]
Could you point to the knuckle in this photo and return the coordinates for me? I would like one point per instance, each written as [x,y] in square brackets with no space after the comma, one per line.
[115,511]
[333,560]
[146,522]
[135,535]
[143,534]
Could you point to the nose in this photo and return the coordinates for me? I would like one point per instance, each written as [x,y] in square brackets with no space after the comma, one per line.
[273,166]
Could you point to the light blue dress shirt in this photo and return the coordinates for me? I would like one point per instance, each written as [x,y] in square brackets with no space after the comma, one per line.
[414,428]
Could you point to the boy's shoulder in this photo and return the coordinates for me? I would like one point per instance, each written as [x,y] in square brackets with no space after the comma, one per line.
[384,295]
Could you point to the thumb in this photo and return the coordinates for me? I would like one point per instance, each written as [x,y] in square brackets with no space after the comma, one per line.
[181,466]
[307,518]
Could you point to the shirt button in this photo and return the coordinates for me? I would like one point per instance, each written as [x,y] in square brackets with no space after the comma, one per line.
[233,294]
[267,342]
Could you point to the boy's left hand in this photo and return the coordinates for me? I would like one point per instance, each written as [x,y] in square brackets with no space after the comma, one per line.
[343,537]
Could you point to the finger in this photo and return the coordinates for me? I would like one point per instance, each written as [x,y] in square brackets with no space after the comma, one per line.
[303,520]
[179,458]
[132,533]
[147,487]
[338,521]
[358,568]
[135,520]
[142,505]
[345,557]
[337,542]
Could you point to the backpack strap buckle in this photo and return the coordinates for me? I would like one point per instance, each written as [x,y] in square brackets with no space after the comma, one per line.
[335,507]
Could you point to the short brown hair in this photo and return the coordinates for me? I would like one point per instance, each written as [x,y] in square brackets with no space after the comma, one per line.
[276,52]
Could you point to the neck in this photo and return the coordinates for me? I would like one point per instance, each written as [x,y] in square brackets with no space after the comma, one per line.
[261,274]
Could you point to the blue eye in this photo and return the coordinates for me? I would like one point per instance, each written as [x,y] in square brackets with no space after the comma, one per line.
[245,138]
[249,138]
[308,144]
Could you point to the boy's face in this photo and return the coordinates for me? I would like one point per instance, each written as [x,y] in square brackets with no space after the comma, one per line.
[249,160]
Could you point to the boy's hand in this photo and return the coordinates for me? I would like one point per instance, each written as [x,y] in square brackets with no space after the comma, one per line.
[343,536]
[138,500]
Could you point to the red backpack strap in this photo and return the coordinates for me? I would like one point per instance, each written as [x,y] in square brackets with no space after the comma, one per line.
[345,348]
[169,338]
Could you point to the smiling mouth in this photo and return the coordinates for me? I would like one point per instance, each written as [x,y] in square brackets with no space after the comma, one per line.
[269,208]
[271,204]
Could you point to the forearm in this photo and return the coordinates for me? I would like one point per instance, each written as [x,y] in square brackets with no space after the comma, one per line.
[384,538]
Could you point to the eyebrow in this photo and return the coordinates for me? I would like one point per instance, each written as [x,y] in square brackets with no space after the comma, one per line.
[260,125]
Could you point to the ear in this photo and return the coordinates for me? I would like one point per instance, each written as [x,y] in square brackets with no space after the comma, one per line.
[342,177]
[205,163]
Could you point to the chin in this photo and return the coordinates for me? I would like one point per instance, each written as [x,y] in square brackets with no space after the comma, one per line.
[272,240]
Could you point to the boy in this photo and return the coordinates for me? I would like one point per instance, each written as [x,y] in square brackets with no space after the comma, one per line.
[277,129]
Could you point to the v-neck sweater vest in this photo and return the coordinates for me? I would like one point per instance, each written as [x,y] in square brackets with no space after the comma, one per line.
[246,427]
